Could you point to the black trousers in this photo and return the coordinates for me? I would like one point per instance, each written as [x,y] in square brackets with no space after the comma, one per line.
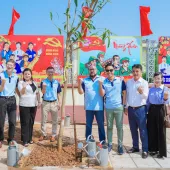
[8,105]
[157,129]
[27,117]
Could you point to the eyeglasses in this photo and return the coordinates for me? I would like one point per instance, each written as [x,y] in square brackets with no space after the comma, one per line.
[111,70]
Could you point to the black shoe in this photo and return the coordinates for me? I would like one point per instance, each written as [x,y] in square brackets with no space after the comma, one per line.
[159,156]
[152,153]
[133,150]
[144,155]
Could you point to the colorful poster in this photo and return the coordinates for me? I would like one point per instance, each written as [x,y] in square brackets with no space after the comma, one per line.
[123,53]
[34,52]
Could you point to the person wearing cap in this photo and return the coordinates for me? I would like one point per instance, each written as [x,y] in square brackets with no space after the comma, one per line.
[95,62]
[93,102]
[113,88]
[124,69]
[168,55]
[116,64]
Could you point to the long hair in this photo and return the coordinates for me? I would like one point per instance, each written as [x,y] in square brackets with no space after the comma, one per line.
[27,69]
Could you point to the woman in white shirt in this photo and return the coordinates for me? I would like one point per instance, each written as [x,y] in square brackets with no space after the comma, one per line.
[28,102]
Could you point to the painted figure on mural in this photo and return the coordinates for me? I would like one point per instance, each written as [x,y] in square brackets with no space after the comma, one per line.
[6,52]
[31,53]
[124,69]
[116,64]
[168,55]
[18,52]
[3,65]
[17,68]
[163,66]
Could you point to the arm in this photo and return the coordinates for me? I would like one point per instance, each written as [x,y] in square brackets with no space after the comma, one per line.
[124,92]
[38,97]
[80,86]
[101,89]
[43,88]
[59,98]
[2,85]
[145,91]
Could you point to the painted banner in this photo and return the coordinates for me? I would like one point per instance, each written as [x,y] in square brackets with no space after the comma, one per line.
[123,53]
[34,52]
[164,58]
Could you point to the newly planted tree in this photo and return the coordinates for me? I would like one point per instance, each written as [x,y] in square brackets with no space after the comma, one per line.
[74,29]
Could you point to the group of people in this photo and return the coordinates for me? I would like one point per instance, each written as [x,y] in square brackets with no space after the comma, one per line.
[145,108]
[29,100]
[22,59]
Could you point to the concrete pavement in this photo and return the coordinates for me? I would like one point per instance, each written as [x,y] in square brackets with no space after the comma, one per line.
[125,161]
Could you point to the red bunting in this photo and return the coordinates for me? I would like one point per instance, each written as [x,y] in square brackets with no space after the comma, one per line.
[145,24]
[87,13]
[15,17]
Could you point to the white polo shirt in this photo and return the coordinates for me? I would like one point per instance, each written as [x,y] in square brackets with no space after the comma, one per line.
[29,99]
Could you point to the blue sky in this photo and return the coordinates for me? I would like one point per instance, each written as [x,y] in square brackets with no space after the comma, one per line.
[120,16]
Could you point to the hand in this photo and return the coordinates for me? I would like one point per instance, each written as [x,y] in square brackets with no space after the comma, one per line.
[59,106]
[126,111]
[100,82]
[80,80]
[44,86]
[140,89]
[24,84]
[166,94]
[3,81]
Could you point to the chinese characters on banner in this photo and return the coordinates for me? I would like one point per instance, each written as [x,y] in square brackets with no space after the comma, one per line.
[123,53]
[164,58]
[42,52]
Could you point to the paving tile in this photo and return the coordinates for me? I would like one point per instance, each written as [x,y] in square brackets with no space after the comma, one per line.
[123,163]
[164,163]
[146,163]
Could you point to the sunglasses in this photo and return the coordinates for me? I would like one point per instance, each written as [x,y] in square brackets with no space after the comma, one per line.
[111,70]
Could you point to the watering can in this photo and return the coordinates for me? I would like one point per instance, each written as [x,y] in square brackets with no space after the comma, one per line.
[67,121]
[91,146]
[103,154]
[12,154]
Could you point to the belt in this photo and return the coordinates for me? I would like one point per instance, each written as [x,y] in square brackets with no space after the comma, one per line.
[157,105]
[50,101]
[6,97]
[137,107]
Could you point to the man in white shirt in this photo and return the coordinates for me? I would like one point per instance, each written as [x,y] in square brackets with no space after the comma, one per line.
[137,93]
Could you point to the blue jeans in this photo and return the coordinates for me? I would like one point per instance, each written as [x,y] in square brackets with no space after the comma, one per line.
[100,121]
[137,120]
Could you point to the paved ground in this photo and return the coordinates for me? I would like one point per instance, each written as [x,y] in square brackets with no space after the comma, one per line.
[126,161]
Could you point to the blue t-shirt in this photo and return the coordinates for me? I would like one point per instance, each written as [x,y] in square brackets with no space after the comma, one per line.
[52,89]
[10,84]
[113,92]
[31,54]
[7,55]
[92,98]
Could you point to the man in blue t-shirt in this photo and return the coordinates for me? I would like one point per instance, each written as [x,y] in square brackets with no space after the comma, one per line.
[113,89]
[8,84]
[93,102]
[51,90]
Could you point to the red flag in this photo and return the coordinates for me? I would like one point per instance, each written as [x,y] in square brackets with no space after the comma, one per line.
[87,13]
[92,43]
[15,17]
[145,24]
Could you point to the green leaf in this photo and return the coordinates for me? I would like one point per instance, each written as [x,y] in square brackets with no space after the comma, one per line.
[51,15]
[76,3]
[59,30]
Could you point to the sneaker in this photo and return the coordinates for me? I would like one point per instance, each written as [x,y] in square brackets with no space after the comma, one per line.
[43,138]
[52,139]
[109,147]
[120,150]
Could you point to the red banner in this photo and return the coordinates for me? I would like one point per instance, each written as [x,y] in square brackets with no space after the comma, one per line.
[42,52]
[92,43]
[15,17]
[145,24]
[87,13]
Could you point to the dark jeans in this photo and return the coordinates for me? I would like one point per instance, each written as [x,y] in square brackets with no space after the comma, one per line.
[27,117]
[8,105]
[100,121]
[137,120]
